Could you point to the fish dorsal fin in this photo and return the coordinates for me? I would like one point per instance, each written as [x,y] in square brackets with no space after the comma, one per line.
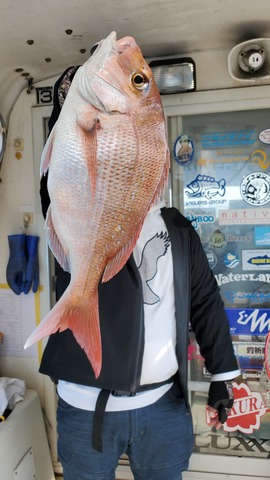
[115,264]
[46,153]
[54,242]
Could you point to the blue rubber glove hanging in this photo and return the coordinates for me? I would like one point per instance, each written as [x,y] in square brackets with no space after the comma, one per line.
[17,263]
[32,269]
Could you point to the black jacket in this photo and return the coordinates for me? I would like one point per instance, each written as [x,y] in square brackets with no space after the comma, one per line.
[197,301]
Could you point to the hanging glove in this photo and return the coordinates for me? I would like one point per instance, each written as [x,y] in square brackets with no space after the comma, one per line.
[32,269]
[16,267]
[220,401]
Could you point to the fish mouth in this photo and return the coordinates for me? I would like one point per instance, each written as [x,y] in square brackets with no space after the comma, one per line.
[119,46]
[93,68]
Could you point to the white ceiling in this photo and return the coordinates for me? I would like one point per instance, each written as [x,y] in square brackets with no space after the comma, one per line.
[160,27]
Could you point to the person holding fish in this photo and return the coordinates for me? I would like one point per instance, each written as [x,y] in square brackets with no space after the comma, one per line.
[138,279]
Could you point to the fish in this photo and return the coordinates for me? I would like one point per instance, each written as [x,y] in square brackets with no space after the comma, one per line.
[107,159]
[206,186]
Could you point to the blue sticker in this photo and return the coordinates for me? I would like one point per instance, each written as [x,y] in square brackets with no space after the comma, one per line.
[262,236]
[249,321]
[228,139]
[183,150]
[250,297]
[231,260]
[196,220]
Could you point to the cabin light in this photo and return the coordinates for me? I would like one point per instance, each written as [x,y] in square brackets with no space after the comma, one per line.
[174,75]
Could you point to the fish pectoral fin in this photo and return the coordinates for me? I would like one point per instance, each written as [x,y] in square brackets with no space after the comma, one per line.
[54,242]
[115,264]
[88,120]
[88,134]
[46,153]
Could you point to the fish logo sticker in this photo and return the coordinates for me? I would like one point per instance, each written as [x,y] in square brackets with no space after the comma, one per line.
[256,259]
[231,260]
[206,186]
[255,188]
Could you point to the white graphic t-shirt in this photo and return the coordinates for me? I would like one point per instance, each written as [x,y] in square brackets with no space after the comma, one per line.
[152,255]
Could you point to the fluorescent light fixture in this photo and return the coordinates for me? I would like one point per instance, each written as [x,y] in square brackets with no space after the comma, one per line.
[174,75]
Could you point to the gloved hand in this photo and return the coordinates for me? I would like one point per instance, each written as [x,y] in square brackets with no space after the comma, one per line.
[16,267]
[32,269]
[220,401]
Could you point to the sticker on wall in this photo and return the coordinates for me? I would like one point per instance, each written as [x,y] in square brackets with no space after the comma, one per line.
[233,138]
[256,260]
[238,238]
[250,216]
[242,277]
[255,188]
[259,157]
[231,260]
[249,321]
[250,357]
[197,220]
[248,408]
[217,240]
[262,236]
[183,150]
[245,297]
[264,136]
[211,257]
[206,186]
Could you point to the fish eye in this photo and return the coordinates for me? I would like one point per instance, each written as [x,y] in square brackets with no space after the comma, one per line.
[139,80]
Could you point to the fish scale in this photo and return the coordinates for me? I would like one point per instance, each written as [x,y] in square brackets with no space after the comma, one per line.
[107,160]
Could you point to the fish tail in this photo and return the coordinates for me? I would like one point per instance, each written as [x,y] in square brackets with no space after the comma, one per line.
[222,184]
[82,320]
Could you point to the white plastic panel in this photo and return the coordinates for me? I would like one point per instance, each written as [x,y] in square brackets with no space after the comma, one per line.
[26,469]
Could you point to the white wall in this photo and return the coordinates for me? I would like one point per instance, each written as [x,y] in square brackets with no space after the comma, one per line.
[17,189]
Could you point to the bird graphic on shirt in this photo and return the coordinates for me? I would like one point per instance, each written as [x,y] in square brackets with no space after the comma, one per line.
[154,248]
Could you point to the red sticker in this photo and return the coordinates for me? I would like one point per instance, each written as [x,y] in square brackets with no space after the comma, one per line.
[247,410]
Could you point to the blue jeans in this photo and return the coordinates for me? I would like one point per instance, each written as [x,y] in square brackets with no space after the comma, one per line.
[158,440]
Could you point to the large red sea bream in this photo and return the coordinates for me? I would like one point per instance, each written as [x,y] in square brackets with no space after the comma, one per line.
[108,161]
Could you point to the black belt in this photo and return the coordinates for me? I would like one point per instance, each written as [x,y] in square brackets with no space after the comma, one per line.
[101,403]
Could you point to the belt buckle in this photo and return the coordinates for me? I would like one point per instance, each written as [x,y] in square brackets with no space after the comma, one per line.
[122,393]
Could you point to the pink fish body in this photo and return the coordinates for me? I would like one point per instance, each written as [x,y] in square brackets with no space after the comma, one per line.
[108,161]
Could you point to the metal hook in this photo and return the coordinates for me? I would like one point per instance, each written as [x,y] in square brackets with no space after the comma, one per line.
[26,221]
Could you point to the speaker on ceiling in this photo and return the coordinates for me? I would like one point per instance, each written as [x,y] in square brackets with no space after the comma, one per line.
[250,61]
